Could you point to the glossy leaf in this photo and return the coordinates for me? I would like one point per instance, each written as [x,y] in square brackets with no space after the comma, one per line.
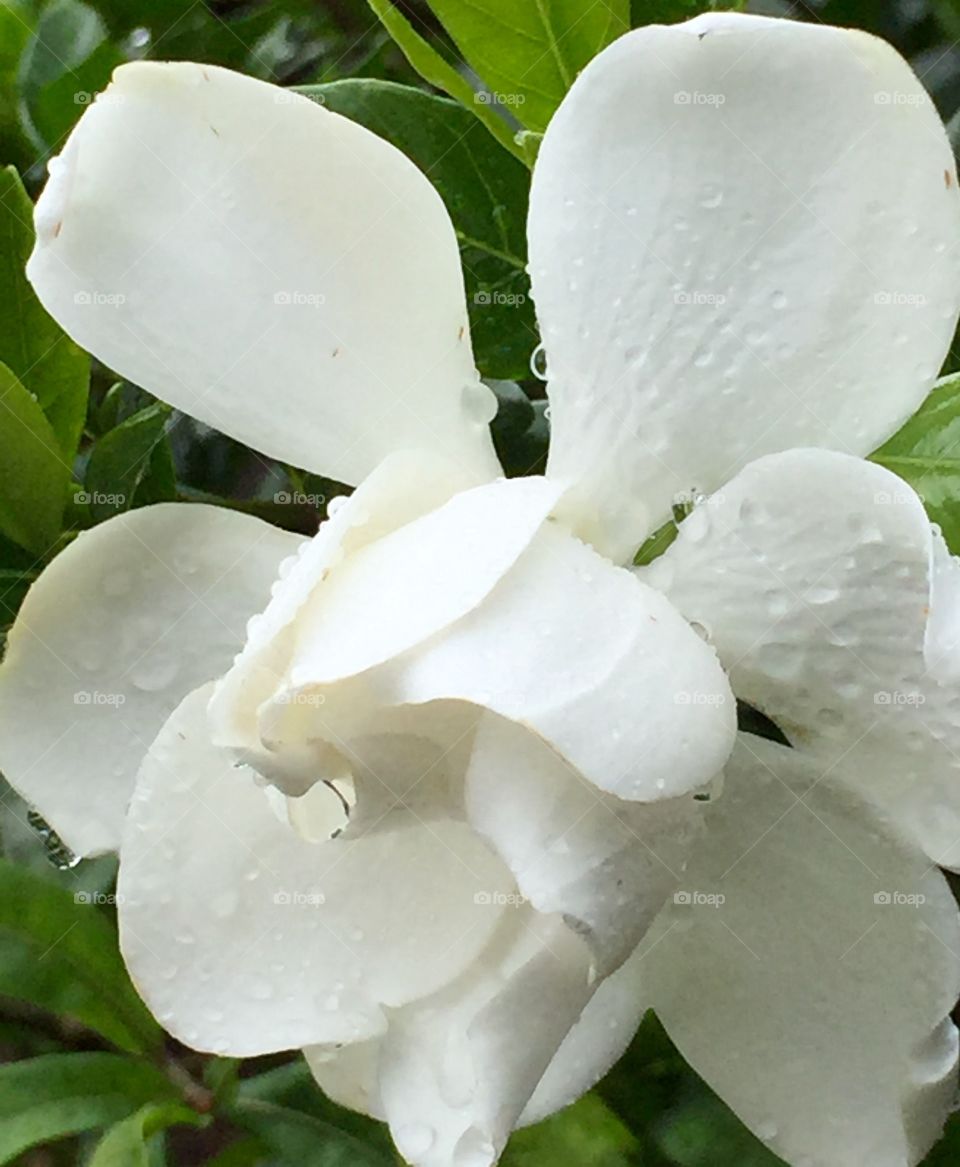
[126,1144]
[123,461]
[49,365]
[34,474]
[301,1139]
[55,1095]
[485,191]
[60,953]
[67,61]
[529,54]
[433,68]
[587,1133]
[926,454]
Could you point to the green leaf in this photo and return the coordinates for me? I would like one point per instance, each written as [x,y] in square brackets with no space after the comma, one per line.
[292,1087]
[49,365]
[66,63]
[301,1139]
[703,1132]
[587,1133]
[440,73]
[655,545]
[55,1095]
[122,460]
[125,1145]
[33,473]
[60,953]
[485,191]
[528,55]
[926,453]
[16,24]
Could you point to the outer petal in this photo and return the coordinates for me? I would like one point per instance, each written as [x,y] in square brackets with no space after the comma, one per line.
[245,938]
[604,671]
[453,1072]
[766,258]
[267,266]
[128,618]
[813,992]
[829,599]
[606,865]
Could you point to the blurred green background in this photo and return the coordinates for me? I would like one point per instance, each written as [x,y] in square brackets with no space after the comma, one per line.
[651,1110]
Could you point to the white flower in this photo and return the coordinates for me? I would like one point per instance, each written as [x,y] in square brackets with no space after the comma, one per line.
[478,740]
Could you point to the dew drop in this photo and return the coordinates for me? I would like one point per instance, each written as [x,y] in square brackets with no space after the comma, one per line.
[415,1140]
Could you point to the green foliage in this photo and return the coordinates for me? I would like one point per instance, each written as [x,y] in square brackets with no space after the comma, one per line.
[126,1144]
[33,473]
[67,60]
[300,1138]
[437,71]
[587,1133]
[926,453]
[130,464]
[49,365]
[59,952]
[50,1097]
[528,55]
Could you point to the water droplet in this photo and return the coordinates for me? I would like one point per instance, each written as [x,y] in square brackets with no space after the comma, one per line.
[538,363]
[711,196]
[415,1140]
[779,301]
[479,403]
[261,990]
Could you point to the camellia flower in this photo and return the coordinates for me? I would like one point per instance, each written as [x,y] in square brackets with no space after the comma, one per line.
[420,825]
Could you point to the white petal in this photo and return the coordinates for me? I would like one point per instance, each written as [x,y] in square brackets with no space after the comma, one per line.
[813,574]
[132,615]
[817,1010]
[265,265]
[766,258]
[600,1036]
[411,584]
[404,487]
[606,865]
[245,938]
[604,671]
[454,1071]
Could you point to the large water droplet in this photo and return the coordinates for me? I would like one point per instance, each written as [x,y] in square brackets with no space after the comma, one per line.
[415,1140]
